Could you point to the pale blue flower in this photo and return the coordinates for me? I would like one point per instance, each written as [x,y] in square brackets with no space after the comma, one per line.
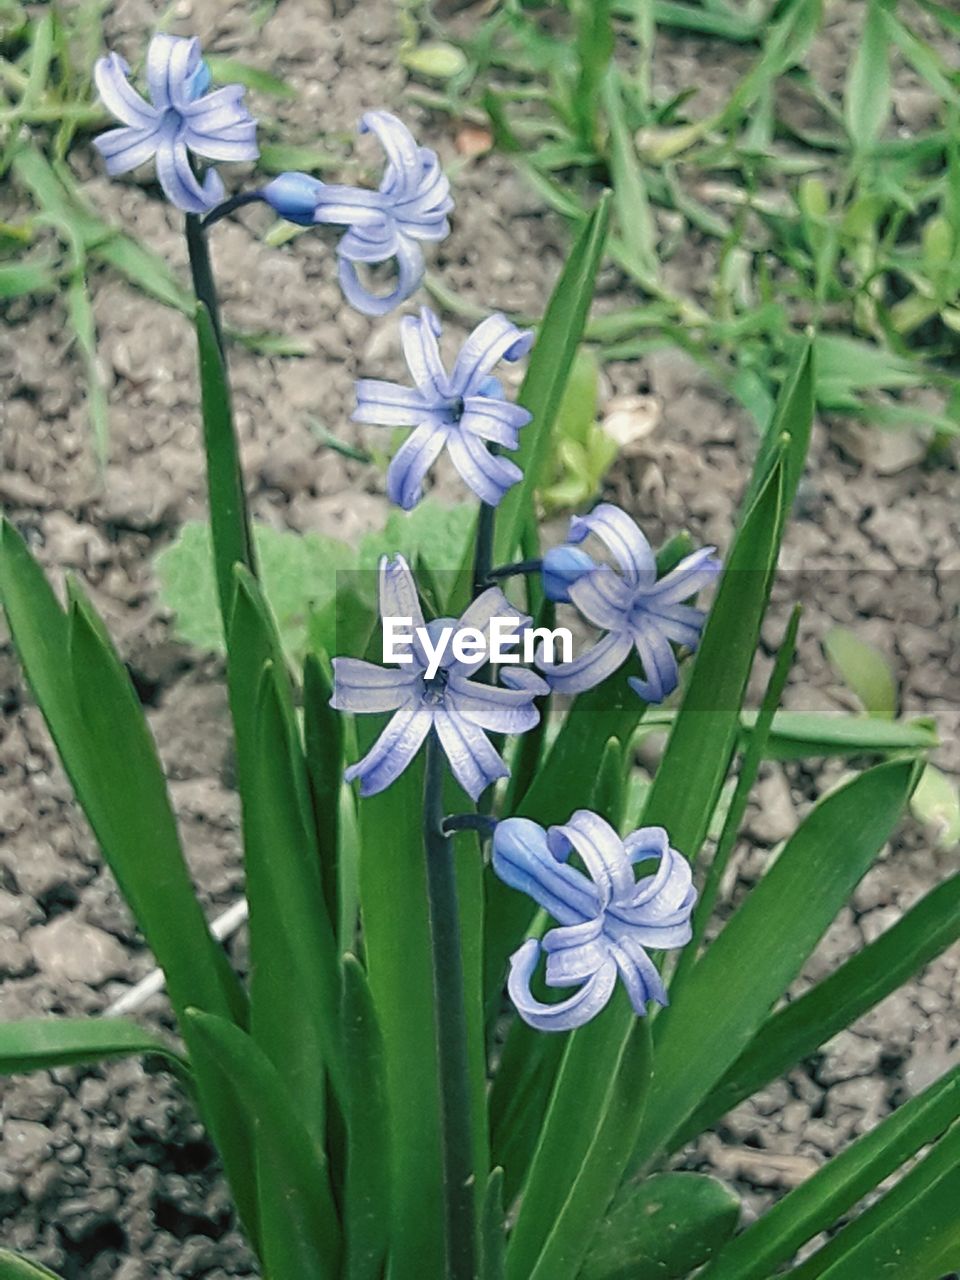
[607,918]
[462,411]
[179,119]
[410,206]
[458,709]
[627,602]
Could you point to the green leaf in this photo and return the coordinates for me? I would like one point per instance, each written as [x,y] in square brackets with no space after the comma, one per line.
[435,60]
[542,389]
[298,573]
[913,1232]
[936,803]
[866,102]
[434,534]
[618,1125]
[299,1231]
[594,49]
[80,315]
[230,71]
[13,1267]
[39,1044]
[796,735]
[817,1203]
[17,279]
[229,521]
[922,57]
[798,1029]
[366,1213]
[864,670]
[323,749]
[493,1238]
[97,724]
[630,200]
[665,1226]
[761,950]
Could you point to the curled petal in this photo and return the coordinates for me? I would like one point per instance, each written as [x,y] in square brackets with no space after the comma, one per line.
[236,144]
[410,464]
[659,664]
[179,182]
[622,538]
[602,597]
[126,148]
[567,1014]
[662,895]
[640,976]
[488,476]
[340,205]
[523,860]
[692,574]
[403,154]
[600,848]
[646,842]
[495,420]
[118,95]
[681,623]
[493,340]
[363,687]
[492,708]
[172,63]
[386,404]
[590,668]
[410,268]
[472,758]
[393,750]
[418,338]
[522,678]
[574,952]
[399,598]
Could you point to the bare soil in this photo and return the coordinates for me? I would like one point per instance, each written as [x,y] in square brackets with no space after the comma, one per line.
[107,1173]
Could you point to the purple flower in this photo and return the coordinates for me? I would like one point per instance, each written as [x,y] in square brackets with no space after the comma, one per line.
[607,918]
[629,604]
[410,205]
[180,118]
[448,702]
[462,411]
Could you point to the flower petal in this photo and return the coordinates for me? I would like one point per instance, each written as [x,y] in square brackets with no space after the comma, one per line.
[601,849]
[363,687]
[418,338]
[562,566]
[172,62]
[485,418]
[602,597]
[692,574]
[410,464]
[621,537]
[393,750]
[591,667]
[574,952]
[472,757]
[661,673]
[118,95]
[488,476]
[681,623]
[126,148]
[491,707]
[387,404]
[522,860]
[403,154]
[179,183]
[399,598]
[493,340]
[639,975]
[410,268]
[567,1014]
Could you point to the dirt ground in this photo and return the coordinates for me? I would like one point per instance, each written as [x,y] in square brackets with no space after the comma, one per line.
[106,1173]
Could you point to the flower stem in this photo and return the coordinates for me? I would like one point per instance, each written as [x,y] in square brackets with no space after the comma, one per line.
[228,206]
[514,570]
[483,555]
[455,1118]
[201,271]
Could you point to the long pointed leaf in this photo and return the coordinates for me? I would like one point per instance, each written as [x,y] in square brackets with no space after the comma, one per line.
[37,1044]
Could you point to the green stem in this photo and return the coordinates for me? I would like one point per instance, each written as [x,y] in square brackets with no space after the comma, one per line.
[483,555]
[201,272]
[451,1015]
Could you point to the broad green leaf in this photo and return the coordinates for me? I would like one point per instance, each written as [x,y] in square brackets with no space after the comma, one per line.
[110,758]
[594,49]
[542,390]
[434,534]
[39,1044]
[913,1232]
[864,670]
[817,1203]
[366,1211]
[762,949]
[299,575]
[13,1267]
[229,521]
[299,1231]
[493,1238]
[936,803]
[664,1226]
[603,1165]
[323,750]
[866,102]
[435,60]
[396,937]
[798,1029]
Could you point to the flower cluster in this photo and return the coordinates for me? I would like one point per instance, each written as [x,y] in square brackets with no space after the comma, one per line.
[607,918]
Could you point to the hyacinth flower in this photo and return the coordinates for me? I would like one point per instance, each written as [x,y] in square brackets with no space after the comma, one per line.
[607,918]
[626,600]
[463,411]
[460,710]
[410,206]
[180,119]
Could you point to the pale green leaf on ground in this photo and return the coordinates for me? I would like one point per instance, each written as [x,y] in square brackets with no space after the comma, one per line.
[864,670]
[936,803]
